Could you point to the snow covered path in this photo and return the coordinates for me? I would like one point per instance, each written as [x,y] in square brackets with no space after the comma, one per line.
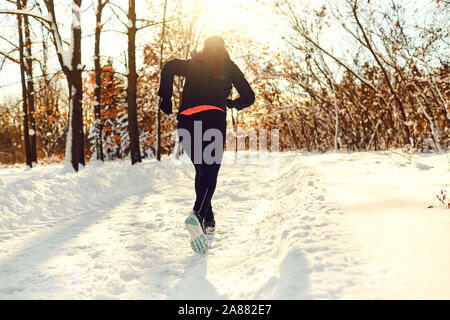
[285,230]
[404,245]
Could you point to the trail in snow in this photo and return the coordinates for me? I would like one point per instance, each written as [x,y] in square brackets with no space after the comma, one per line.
[283,232]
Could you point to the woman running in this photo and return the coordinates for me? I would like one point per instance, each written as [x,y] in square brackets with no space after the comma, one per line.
[210,75]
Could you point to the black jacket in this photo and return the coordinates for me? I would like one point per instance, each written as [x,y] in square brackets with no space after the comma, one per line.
[201,88]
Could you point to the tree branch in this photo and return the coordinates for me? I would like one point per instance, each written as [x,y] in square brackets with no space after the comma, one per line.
[27,13]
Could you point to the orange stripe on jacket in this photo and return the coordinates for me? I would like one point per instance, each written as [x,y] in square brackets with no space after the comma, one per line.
[198,109]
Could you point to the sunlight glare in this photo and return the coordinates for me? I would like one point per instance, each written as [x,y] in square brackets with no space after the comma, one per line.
[246,18]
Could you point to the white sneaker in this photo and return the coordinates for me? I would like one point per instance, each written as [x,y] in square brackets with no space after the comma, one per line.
[210,230]
[199,242]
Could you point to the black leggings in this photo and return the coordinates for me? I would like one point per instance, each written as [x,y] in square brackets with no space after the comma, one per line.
[205,155]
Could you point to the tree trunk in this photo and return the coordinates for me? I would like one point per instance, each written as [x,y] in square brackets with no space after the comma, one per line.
[24,91]
[76,93]
[133,129]
[158,112]
[30,87]
[98,84]
[73,71]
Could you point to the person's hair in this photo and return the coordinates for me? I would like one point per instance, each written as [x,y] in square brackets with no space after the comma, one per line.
[214,54]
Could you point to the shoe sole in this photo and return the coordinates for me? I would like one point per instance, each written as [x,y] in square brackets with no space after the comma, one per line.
[199,242]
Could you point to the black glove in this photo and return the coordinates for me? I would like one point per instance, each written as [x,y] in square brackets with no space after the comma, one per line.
[166,105]
[233,104]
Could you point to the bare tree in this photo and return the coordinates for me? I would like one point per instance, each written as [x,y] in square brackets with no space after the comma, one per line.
[26,136]
[70,62]
[30,85]
[388,89]
[158,112]
[98,79]
[133,128]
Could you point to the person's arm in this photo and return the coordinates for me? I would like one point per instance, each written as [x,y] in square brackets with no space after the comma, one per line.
[170,69]
[246,95]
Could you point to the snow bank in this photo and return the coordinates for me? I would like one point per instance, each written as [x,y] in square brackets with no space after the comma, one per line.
[48,192]
[403,244]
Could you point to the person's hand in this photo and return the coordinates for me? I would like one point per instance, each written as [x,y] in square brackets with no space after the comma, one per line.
[166,105]
[233,104]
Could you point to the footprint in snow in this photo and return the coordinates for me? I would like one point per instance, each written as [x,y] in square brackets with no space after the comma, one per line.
[422,166]
[321,197]
[128,275]
[11,290]
[137,247]
[301,234]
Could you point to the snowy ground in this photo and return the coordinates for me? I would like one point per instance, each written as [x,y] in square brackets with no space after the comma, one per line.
[302,226]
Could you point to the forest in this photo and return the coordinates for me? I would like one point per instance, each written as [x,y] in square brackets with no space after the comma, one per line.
[347,75]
